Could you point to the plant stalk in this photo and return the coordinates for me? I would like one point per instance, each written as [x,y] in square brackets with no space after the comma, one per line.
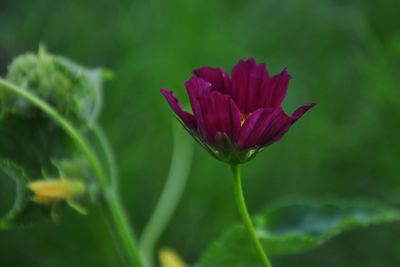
[241,204]
[173,189]
[116,216]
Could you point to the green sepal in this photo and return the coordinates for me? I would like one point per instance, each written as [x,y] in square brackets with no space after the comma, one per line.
[75,205]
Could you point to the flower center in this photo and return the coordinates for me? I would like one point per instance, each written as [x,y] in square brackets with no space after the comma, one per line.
[244,118]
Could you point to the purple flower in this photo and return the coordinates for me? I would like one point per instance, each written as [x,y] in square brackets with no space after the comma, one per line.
[234,117]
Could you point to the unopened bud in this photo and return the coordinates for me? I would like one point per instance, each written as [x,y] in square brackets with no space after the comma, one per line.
[169,258]
[56,190]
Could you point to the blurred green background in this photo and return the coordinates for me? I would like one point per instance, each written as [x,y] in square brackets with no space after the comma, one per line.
[344,55]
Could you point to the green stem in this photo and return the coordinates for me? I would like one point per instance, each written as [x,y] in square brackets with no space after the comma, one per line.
[241,203]
[123,235]
[111,204]
[108,154]
[112,207]
[171,194]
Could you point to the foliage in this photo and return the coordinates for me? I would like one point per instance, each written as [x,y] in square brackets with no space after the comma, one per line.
[295,226]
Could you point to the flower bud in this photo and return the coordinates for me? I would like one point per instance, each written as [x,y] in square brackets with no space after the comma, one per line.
[55,190]
[169,258]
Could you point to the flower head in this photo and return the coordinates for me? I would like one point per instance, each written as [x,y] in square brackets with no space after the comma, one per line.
[234,117]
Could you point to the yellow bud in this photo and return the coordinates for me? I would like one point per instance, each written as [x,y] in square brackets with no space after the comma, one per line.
[51,191]
[169,258]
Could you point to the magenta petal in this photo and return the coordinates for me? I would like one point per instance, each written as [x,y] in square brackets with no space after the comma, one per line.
[219,115]
[252,132]
[218,78]
[198,116]
[196,87]
[187,118]
[275,89]
[300,111]
[275,135]
[248,79]
[240,79]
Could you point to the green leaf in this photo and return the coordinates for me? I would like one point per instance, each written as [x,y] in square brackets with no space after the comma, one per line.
[12,192]
[32,142]
[31,148]
[295,226]
[16,208]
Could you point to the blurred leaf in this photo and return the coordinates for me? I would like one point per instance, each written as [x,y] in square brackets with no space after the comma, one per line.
[295,227]
[12,191]
[34,148]
[32,142]
[17,209]
[31,139]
